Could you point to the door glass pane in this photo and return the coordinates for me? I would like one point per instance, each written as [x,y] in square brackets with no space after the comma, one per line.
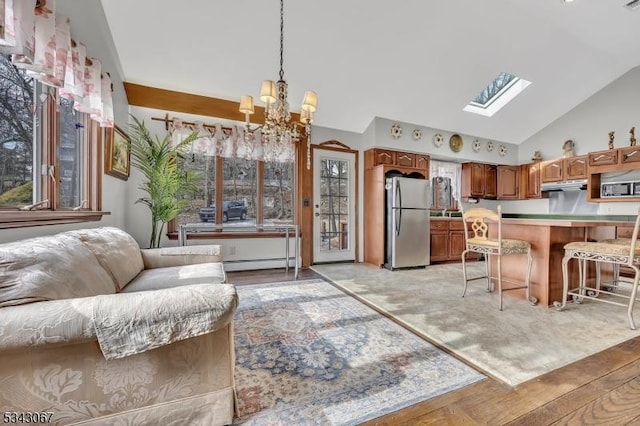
[334,205]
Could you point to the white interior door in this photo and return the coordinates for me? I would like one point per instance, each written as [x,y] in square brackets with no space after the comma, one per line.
[334,204]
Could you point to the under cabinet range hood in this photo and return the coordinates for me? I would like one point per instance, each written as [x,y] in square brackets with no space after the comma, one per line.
[572,185]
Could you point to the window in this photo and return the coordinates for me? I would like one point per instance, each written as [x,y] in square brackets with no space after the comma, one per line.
[497,94]
[278,193]
[48,154]
[250,191]
[445,180]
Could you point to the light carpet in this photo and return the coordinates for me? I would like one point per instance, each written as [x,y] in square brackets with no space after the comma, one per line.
[514,345]
[308,353]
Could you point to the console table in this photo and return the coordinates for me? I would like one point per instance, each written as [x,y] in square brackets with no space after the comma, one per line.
[287,231]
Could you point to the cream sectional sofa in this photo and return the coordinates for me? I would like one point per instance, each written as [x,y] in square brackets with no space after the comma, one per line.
[95,330]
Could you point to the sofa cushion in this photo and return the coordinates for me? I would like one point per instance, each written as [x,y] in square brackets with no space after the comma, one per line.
[50,268]
[175,276]
[116,251]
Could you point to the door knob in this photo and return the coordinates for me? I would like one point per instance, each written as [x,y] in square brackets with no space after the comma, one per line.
[317,214]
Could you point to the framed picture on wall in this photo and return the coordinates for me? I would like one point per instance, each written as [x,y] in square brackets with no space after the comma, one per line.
[117,157]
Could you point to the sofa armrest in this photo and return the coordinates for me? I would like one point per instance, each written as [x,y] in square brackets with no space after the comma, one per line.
[54,322]
[180,256]
[131,323]
[123,323]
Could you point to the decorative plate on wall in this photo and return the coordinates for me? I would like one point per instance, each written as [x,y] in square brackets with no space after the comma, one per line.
[438,139]
[417,134]
[455,143]
[476,145]
[396,131]
[503,150]
[489,146]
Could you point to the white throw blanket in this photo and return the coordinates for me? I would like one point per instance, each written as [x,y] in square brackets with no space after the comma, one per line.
[131,323]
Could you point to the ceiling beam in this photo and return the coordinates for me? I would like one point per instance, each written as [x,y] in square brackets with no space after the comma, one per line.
[168,100]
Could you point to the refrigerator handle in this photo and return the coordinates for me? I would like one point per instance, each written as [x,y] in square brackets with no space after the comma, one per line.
[399,210]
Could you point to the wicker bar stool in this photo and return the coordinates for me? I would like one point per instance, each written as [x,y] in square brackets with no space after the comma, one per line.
[616,252]
[481,219]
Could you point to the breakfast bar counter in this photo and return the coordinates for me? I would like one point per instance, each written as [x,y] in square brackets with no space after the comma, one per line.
[548,234]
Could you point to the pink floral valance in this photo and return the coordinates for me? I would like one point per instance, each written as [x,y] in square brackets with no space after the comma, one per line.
[230,142]
[39,41]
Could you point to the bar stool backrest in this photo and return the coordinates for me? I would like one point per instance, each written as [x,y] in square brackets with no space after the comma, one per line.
[479,218]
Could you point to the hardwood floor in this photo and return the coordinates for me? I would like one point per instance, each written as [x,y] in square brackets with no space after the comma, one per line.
[603,389]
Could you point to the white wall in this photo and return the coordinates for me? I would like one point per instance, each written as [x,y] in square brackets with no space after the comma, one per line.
[89,25]
[425,145]
[616,107]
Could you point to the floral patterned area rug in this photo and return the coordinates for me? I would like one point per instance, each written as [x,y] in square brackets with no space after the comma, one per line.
[308,353]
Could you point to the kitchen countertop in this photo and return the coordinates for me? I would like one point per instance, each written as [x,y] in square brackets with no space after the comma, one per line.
[558,219]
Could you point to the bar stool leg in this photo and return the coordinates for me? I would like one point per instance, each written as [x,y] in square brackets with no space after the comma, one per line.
[531,299]
[464,272]
[632,297]
[565,283]
[500,279]
[487,270]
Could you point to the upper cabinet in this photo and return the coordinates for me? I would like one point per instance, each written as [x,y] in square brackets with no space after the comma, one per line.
[551,171]
[380,156]
[610,161]
[562,169]
[575,167]
[531,179]
[508,182]
[479,180]
[407,161]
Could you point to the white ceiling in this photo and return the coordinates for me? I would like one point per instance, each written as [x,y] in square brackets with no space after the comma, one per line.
[414,61]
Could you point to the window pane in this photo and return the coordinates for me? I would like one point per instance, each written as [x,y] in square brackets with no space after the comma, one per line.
[239,191]
[16,135]
[70,155]
[278,193]
[200,204]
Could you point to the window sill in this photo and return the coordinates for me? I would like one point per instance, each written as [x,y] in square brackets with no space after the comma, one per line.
[230,234]
[20,219]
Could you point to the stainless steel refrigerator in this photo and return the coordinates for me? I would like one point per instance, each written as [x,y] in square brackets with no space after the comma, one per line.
[407,222]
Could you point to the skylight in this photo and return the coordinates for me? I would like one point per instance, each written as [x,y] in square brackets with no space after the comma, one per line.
[497,94]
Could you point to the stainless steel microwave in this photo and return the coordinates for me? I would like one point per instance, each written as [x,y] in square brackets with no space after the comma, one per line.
[620,189]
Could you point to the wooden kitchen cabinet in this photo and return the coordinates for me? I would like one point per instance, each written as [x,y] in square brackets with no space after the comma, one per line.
[630,154]
[613,160]
[374,221]
[490,181]
[379,156]
[439,240]
[387,157]
[563,169]
[530,180]
[603,158]
[405,159]
[508,182]
[574,168]
[457,242]
[479,180]
[422,162]
[552,171]
[447,240]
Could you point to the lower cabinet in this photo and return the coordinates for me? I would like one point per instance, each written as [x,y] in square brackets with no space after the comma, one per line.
[447,240]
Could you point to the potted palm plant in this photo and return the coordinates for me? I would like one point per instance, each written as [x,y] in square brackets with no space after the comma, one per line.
[164,181]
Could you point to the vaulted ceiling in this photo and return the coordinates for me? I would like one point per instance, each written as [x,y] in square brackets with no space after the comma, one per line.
[415,61]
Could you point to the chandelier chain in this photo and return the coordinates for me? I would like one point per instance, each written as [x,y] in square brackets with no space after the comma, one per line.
[281,39]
